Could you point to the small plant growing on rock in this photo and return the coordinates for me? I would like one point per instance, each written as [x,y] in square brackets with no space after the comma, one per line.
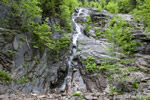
[90,64]
[135,84]
[87,24]
[112,7]
[148,97]
[12,53]
[78,94]
[5,77]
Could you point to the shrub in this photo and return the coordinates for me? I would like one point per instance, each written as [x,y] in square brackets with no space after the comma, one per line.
[62,43]
[60,47]
[112,7]
[22,12]
[90,64]
[142,13]
[41,35]
[119,33]
[5,77]
[87,24]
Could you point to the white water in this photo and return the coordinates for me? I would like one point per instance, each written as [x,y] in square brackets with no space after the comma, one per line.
[76,34]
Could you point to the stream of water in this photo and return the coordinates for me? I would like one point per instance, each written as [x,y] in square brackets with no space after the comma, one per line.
[76,34]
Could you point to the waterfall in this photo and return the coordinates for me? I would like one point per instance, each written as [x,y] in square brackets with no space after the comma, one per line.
[76,34]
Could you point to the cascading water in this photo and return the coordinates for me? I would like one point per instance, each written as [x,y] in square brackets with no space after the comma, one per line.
[77,32]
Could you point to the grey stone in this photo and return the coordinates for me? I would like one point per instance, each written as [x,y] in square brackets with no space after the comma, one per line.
[145,79]
[15,44]
[75,98]
[88,97]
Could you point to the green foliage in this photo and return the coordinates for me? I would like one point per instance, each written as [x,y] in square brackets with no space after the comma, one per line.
[98,33]
[60,47]
[87,24]
[85,3]
[78,94]
[24,11]
[24,80]
[112,7]
[106,65]
[62,43]
[112,89]
[57,28]
[135,84]
[140,98]
[66,9]
[82,43]
[125,6]
[41,35]
[12,53]
[90,64]
[109,67]
[130,69]
[142,13]
[29,10]
[127,61]
[95,5]
[5,77]
[119,33]
[148,97]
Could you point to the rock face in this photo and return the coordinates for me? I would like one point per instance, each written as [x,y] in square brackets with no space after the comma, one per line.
[27,65]
[36,76]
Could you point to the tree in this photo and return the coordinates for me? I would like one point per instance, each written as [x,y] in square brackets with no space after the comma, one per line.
[22,12]
[41,34]
[112,7]
[143,13]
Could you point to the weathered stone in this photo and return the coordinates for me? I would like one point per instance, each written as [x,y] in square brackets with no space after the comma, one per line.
[15,44]
[88,97]
[145,79]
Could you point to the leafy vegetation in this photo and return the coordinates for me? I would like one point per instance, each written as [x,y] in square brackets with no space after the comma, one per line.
[62,44]
[112,7]
[87,24]
[12,53]
[41,35]
[90,64]
[119,33]
[60,47]
[142,13]
[5,77]
[78,94]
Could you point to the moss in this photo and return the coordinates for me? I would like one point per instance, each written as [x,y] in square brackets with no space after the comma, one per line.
[127,61]
[132,69]
[92,35]
[82,43]
[78,50]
